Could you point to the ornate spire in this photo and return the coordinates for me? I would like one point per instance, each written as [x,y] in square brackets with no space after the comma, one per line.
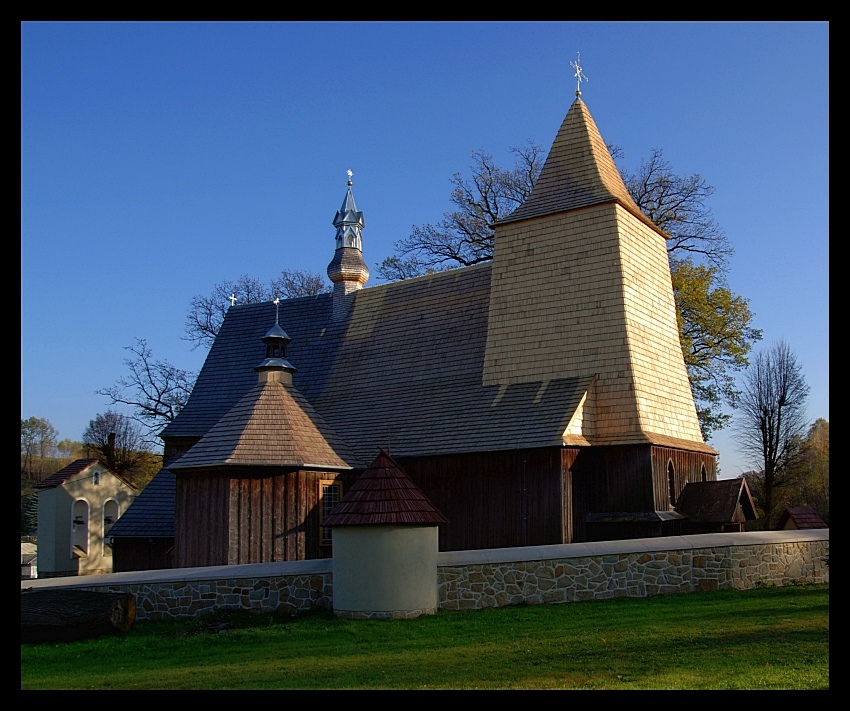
[347,269]
[276,341]
[349,221]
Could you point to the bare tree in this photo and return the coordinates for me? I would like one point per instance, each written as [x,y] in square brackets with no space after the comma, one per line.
[155,389]
[294,284]
[464,236]
[677,204]
[772,421]
[206,313]
[116,440]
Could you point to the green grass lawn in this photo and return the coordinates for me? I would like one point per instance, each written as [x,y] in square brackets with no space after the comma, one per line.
[767,638]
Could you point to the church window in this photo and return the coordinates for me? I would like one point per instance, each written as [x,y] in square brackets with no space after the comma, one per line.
[330,492]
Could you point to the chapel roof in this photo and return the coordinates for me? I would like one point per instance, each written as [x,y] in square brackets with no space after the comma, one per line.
[75,468]
[271,426]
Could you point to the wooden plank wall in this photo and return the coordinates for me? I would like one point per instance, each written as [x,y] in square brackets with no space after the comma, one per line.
[630,478]
[247,518]
[687,467]
[494,499]
[142,554]
[277,517]
[200,524]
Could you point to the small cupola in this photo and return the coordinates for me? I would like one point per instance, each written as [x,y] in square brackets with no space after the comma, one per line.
[275,367]
[347,270]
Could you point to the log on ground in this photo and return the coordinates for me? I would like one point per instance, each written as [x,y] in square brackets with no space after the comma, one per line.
[63,615]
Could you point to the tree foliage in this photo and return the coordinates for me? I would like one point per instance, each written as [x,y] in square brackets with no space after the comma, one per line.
[714,324]
[772,422]
[809,471]
[206,313]
[29,514]
[155,389]
[716,336]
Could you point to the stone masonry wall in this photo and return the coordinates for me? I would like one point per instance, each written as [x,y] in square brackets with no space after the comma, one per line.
[493,578]
[631,575]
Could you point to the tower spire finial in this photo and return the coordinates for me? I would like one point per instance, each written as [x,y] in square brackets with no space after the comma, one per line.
[350,175]
[578,75]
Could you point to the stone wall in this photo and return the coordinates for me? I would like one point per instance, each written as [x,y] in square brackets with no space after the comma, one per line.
[494,577]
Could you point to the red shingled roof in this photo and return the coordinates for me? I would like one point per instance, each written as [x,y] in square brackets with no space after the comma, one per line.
[800,517]
[384,494]
[76,467]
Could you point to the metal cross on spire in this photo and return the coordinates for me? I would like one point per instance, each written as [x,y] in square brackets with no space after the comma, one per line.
[277,310]
[350,174]
[232,298]
[578,75]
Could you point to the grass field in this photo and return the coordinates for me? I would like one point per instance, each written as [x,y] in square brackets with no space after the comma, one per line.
[766,638]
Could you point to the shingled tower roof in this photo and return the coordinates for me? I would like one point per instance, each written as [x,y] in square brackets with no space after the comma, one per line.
[273,425]
[384,494]
[579,171]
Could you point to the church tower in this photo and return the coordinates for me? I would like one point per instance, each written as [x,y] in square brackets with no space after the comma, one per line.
[581,287]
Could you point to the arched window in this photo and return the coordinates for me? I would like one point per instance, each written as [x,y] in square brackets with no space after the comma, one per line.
[80,529]
[110,516]
[671,483]
[703,474]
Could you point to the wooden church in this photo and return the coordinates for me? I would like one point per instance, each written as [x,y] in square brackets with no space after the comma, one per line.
[540,398]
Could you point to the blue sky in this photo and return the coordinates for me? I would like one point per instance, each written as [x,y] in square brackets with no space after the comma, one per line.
[159,159]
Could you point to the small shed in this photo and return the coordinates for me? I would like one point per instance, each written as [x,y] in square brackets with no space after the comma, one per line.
[385,539]
[800,517]
[716,506]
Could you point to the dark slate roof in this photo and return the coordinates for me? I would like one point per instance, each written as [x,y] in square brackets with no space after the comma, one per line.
[384,494]
[73,469]
[579,171]
[802,517]
[273,425]
[152,512]
[403,371]
[716,501]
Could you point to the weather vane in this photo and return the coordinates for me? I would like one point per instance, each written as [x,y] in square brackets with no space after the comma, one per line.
[350,173]
[578,75]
